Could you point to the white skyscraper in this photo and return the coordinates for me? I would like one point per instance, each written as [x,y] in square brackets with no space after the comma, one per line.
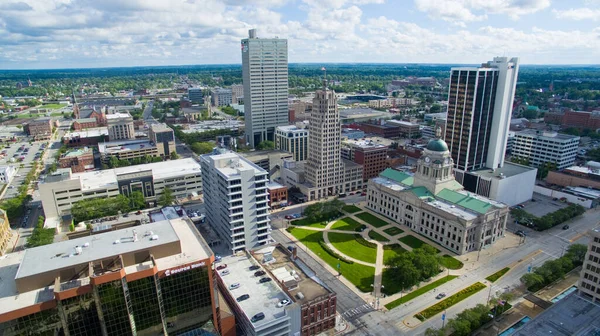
[480,103]
[265,78]
[236,199]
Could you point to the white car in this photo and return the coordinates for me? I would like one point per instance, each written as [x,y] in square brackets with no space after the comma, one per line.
[234,285]
[283,302]
[225,272]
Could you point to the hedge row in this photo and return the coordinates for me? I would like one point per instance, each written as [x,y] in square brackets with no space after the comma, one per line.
[333,253]
[450,301]
[362,241]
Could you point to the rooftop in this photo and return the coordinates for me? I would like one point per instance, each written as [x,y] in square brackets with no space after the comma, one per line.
[230,164]
[160,127]
[296,276]
[274,185]
[78,152]
[509,169]
[402,123]
[572,315]
[263,296]
[546,135]
[85,120]
[87,133]
[365,144]
[115,147]
[291,128]
[160,170]
[118,115]
[398,176]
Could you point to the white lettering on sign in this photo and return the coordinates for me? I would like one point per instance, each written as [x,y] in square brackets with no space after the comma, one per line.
[184,268]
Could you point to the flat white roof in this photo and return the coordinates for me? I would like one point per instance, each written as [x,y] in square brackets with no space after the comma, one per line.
[114,147]
[118,115]
[88,133]
[234,163]
[160,170]
[263,296]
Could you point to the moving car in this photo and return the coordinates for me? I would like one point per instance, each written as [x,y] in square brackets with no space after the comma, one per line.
[441,296]
[257,317]
[283,302]
[242,298]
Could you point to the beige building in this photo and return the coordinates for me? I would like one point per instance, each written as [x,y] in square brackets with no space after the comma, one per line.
[324,173]
[433,204]
[127,150]
[163,138]
[61,190]
[589,281]
[292,139]
[5,232]
[120,126]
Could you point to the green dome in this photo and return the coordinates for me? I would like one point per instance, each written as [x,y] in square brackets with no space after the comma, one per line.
[437,145]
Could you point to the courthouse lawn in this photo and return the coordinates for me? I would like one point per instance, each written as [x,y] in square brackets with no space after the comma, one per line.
[346,224]
[348,245]
[372,219]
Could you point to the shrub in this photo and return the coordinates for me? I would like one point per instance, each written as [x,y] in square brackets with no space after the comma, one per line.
[360,228]
[498,275]
[363,242]
[451,300]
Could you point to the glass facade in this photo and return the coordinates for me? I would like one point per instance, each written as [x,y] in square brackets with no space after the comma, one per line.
[181,303]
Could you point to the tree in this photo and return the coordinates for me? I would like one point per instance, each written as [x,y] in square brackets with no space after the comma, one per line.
[166,198]
[174,155]
[403,270]
[202,147]
[533,280]
[577,253]
[530,114]
[266,145]
[435,108]
[138,201]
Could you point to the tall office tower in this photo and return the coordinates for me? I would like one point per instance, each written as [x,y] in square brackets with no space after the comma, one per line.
[265,77]
[480,103]
[237,199]
[588,280]
[324,164]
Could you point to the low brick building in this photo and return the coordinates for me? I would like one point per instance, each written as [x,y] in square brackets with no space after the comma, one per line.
[87,137]
[278,194]
[372,156]
[385,131]
[81,124]
[79,160]
[39,129]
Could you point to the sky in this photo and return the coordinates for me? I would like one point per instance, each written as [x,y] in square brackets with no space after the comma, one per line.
[38,34]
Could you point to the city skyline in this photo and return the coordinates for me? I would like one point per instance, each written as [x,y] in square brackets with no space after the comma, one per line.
[81,34]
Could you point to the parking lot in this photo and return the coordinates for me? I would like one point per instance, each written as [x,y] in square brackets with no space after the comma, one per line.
[543,205]
[28,158]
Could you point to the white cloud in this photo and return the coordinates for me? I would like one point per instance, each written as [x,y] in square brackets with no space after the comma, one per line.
[578,14]
[461,11]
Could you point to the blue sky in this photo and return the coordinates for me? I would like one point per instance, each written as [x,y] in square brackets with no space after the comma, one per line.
[104,33]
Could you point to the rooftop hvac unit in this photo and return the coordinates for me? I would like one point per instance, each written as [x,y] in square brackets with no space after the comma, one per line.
[300,296]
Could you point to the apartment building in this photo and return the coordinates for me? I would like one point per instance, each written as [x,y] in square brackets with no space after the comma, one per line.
[61,190]
[87,137]
[120,126]
[237,199]
[7,173]
[265,79]
[39,129]
[372,156]
[432,203]
[540,147]
[292,139]
[146,280]
[128,150]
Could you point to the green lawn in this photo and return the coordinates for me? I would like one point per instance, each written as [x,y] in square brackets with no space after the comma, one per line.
[347,244]
[376,236]
[351,208]
[361,276]
[413,241]
[28,115]
[372,219]
[498,275]
[306,222]
[451,263]
[419,291]
[53,106]
[393,231]
[346,224]
[450,301]
[392,251]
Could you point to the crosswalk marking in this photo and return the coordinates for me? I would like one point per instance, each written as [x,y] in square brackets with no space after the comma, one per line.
[358,310]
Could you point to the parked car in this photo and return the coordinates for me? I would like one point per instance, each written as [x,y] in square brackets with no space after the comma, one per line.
[363,194]
[288,217]
[225,272]
[257,317]
[220,267]
[297,215]
[259,273]
[283,302]
[254,267]
[441,296]
[263,280]
[242,298]
[218,259]
[566,227]
[234,285]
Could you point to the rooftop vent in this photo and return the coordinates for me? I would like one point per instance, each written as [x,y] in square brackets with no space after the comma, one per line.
[300,296]
[117,242]
[154,237]
[78,250]
[86,244]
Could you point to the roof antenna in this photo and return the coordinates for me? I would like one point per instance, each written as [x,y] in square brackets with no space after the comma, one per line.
[324,78]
